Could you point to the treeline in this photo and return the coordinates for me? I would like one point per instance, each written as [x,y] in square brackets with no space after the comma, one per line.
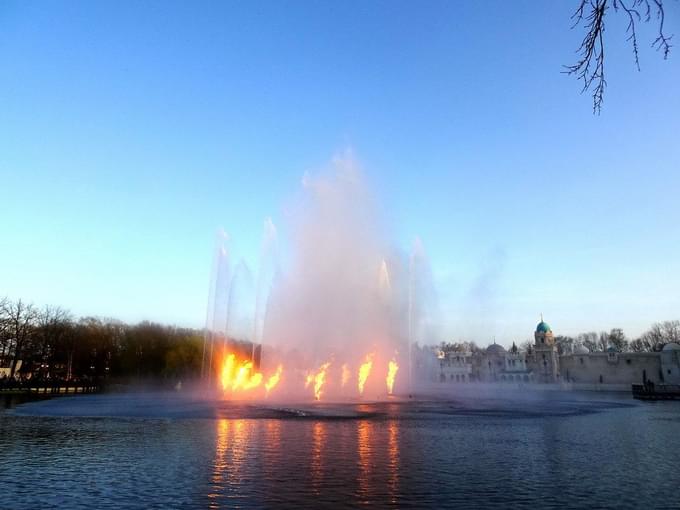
[50,343]
[658,335]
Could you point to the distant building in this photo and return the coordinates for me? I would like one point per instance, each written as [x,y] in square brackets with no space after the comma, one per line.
[455,366]
[622,368]
[544,360]
[543,364]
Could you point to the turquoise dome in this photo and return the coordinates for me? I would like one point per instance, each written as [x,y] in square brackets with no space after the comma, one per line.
[542,327]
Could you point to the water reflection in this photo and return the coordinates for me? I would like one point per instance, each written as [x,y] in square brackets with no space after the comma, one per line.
[318,443]
[220,463]
[272,450]
[231,449]
[425,455]
[393,460]
[239,447]
[365,457]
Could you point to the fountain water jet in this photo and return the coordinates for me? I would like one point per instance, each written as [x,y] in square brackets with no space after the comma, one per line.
[343,306]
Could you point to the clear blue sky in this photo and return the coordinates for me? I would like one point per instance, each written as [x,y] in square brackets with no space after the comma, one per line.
[131,131]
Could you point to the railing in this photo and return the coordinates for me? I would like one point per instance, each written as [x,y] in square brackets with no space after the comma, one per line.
[48,388]
[656,391]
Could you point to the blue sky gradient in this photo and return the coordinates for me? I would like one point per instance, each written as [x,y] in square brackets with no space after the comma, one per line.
[131,131]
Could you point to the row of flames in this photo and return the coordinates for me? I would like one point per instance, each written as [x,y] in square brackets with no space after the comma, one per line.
[239,376]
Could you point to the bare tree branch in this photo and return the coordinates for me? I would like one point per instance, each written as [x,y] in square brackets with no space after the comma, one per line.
[662,41]
[632,14]
[590,67]
[591,13]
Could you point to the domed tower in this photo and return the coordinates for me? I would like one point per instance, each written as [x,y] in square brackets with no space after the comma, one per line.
[543,334]
[546,359]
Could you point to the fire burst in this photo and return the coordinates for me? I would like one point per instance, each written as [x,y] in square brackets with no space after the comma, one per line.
[239,375]
[273,380]
[364,371]
[320,379]
[392,368]
[227,371]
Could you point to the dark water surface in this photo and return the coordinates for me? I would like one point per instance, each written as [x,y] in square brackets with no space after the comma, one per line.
[505,451]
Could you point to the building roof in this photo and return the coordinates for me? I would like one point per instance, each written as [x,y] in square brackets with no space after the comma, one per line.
[542,327]
[671,346]
[494,348]
[581,349]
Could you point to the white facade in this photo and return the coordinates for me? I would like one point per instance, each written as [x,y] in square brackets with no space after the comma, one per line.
[455,367]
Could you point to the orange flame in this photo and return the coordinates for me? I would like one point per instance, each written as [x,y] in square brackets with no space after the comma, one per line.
[392,368]
[364,371]
[345,375]
[227,371]
[244,379]
[308,380]
[320,379]
[273,380]
[238,375]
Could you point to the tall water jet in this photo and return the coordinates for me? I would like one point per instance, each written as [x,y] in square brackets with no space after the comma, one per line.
[218,297]
[241,308]
[268,268]
[416,248]
[384,285]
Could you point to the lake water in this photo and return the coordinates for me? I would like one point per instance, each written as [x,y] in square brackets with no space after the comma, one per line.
[502,450]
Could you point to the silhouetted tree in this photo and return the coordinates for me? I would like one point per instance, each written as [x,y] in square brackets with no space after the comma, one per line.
[589,340]
[565,344]
[20,321]
[4,329]
[52,323]
[617,339]
[657,336]
[463,346]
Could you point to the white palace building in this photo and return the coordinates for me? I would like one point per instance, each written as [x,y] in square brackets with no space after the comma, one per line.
[581,369]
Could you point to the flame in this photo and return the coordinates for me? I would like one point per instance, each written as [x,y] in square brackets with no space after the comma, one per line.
[345,375]
[227,371]
[320,379]
[392,368]
[239,375]
[251,381]
[308,381]
[364,371]
[273,380]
